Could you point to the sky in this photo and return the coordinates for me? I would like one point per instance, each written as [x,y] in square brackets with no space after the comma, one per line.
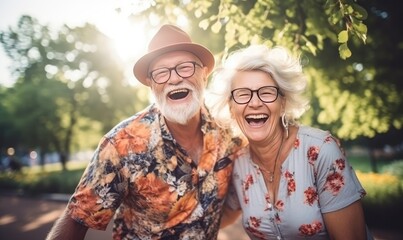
[74,13]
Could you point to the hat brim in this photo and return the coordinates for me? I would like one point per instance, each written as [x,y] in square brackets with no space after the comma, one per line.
[140,69]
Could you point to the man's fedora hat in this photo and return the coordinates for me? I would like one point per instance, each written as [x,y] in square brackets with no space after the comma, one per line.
[170,38]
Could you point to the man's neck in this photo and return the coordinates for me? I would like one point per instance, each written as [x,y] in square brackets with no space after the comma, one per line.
[188,135]
[185,132]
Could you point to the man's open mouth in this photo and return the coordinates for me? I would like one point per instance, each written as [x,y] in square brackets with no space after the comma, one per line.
[178,94]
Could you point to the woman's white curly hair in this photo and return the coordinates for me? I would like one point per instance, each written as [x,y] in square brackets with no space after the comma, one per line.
[285,70]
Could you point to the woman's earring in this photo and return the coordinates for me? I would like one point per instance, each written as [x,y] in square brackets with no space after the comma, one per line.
[285,124]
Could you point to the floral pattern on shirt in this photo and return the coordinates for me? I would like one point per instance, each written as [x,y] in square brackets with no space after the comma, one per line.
[144,178]
[315,179]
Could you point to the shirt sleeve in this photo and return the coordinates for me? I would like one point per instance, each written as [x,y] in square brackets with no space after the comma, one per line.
[337,183]
[100,190]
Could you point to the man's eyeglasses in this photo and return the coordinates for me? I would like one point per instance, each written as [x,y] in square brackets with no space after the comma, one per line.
[184,70]
[266,94]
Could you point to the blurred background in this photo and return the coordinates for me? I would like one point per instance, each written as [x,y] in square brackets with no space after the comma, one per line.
[66,79]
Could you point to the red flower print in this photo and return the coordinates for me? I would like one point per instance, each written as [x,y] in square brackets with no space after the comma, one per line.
[310,229]
[280,205]
[291,185]
[312,154]
[248,181]
[255,232]
[267,197]
[296,143]
[245,199]
[246,184]
[252,227]
[268,202]
[334,182]
[255,222]
[340,163]
[288,175]
[310,196]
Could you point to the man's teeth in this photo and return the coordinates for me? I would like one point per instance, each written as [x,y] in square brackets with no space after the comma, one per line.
[178,91]
[178,94]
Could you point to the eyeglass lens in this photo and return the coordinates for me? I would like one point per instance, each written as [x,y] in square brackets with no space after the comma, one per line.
[266,94]
[184,70]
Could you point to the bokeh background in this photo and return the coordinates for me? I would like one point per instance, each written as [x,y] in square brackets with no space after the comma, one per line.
[66,79]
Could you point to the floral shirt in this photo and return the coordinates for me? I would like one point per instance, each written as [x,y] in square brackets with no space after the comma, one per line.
[144,178]
[315,179]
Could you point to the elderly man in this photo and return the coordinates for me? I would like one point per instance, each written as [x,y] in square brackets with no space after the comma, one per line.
[164,172]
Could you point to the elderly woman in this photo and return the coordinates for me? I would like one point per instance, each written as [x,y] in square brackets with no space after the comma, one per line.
[292,181]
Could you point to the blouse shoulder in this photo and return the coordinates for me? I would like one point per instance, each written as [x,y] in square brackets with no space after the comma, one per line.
[314,133]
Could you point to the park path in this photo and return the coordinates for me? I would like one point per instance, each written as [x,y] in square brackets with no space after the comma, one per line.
[23,218]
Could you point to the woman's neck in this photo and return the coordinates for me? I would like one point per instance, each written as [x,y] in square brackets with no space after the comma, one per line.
[263,151]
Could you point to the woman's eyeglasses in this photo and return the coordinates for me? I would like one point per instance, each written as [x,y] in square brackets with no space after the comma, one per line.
[266,94]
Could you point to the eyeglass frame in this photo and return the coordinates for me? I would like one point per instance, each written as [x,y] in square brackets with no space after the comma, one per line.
[176,71]
[278,92]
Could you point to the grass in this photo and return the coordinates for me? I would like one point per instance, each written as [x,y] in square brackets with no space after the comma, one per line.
[48,179]
[382,204]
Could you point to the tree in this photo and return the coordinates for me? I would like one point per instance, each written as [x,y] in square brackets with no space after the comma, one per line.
[8,136]
[354,73]
[299,25]
[349,94]
[65,79]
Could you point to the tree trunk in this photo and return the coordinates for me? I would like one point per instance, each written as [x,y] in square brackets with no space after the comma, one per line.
[65,153]
[372,157]
[63,160]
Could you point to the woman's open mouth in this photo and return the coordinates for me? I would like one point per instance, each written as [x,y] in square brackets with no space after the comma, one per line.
[256,119]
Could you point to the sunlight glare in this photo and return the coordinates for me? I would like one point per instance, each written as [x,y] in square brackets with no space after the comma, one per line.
[126,35]
[129,39]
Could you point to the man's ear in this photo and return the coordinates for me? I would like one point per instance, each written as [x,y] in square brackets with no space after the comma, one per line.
[149,82]
[205,74]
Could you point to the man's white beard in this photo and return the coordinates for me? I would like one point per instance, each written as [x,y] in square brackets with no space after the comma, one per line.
[180,113]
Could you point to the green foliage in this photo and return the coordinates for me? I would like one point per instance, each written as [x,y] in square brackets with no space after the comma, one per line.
[69,80]
[395,168]
[352,15]
[38,180]
[343,36]
[351,108]
[382,203]
[354,92]
[298,25]
[360,95]
[58,182]
[375,184]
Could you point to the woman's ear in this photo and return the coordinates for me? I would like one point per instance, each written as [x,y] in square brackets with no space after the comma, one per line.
[230,109]
[283,104]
